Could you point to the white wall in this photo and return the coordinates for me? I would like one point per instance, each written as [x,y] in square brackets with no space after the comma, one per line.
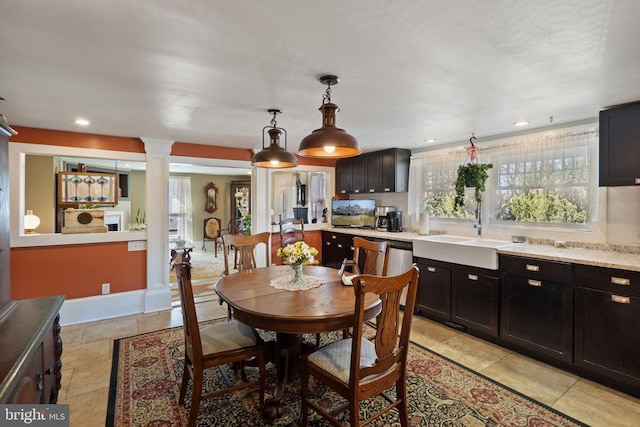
[623,215]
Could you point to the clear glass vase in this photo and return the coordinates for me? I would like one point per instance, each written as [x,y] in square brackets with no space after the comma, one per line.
[297,273]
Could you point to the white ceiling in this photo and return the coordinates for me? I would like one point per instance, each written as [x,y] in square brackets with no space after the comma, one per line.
[206,71]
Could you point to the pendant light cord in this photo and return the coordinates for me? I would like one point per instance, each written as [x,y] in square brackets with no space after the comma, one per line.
[327,94]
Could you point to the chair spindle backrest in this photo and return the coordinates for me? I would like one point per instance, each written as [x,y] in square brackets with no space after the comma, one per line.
[368,255]
[291,231]
[392,336]
[245,247]
[193,345]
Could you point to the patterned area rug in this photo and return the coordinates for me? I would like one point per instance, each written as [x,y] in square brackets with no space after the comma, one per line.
[147,369]
[205,272]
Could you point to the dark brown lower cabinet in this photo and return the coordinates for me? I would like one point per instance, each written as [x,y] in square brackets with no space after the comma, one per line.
[474,301]
[607,324]
[463,297]
[434,290]
[607,340]
[538,315]
[335,248]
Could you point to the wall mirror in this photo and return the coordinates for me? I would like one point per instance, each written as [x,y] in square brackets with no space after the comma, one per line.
[302,194]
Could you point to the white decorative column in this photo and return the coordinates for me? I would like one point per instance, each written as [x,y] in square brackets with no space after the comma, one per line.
[260,216]
[158,295]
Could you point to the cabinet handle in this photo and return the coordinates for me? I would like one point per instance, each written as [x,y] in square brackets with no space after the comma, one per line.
[637,180]
[431,269]
[537,283]
[339,245]
[531,267]
[39,381]
[387,189]
[343,191]
[327,243]
[353,248]
[472,277]
[356,191]
[620,281]
[620,300]
[372,190]
[333,236]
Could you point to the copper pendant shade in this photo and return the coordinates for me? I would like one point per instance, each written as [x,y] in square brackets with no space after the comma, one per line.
[274,156]
[329,141]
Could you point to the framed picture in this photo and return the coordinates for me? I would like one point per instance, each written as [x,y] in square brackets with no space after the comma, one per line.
[210,197]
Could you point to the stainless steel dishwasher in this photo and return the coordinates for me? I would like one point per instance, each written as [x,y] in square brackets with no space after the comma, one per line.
[400,259]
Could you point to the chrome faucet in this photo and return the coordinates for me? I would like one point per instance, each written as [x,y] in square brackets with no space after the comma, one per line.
[478,224]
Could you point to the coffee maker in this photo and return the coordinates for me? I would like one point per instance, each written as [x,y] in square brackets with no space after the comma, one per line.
[381,217]
[394,222]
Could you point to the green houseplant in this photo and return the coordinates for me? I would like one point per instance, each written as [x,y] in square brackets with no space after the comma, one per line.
[141,219]
[471,175]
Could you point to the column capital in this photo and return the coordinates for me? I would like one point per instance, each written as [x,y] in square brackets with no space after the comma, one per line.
[157,146]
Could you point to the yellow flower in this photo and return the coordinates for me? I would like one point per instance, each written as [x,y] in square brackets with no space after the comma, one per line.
[297,253]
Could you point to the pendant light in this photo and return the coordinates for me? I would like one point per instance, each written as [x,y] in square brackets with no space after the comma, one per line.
[274,156]
[329,141]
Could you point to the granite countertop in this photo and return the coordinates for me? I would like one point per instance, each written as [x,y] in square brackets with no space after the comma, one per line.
[403,236]
[620,259]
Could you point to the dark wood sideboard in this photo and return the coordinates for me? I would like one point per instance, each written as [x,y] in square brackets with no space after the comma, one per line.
[30,364]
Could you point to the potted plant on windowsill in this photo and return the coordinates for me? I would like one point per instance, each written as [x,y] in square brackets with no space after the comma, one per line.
[141,219]
[471,175]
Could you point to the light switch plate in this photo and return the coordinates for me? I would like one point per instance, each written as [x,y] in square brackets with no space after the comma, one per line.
[137,245]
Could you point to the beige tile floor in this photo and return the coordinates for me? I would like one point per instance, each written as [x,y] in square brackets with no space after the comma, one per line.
[88,349]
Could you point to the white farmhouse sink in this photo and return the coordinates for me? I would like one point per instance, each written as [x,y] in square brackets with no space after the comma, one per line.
[462,250]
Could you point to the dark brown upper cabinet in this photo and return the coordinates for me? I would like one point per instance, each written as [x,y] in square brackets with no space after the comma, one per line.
[385,171]
[620,145]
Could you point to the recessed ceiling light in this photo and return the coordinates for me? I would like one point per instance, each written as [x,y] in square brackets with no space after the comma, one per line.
[430,140]
[82,122]
[521,123]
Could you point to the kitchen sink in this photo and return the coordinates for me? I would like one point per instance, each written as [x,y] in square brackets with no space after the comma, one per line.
[446,238]
[462,250]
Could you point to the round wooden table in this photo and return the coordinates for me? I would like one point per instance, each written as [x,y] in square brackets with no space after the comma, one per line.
[255,302]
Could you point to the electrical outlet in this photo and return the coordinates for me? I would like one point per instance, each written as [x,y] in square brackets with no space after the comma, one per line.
[106,288]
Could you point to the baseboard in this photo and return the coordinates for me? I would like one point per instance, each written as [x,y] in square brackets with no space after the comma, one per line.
[156,300]
[100,307]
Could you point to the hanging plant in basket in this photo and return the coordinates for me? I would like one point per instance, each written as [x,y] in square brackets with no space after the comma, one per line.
[472,174]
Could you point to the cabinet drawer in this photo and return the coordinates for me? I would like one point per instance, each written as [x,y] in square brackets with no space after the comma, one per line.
[29,388]
[536,269]
[608,279]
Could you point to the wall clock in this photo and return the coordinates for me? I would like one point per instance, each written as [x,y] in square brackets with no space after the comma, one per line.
[210,197]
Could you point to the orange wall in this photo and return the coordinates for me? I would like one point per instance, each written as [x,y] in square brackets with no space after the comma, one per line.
[313,239]
[79,270]
[76,270]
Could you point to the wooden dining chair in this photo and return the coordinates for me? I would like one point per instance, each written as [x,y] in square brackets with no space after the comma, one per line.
[357,368]
[368,258]
[214,346]
[212,230]
[245,247]
[291,231]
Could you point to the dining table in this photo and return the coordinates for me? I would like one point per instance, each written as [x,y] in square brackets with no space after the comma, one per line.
[290,313]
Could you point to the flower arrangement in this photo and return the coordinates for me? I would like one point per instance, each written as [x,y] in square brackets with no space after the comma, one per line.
[297,253]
